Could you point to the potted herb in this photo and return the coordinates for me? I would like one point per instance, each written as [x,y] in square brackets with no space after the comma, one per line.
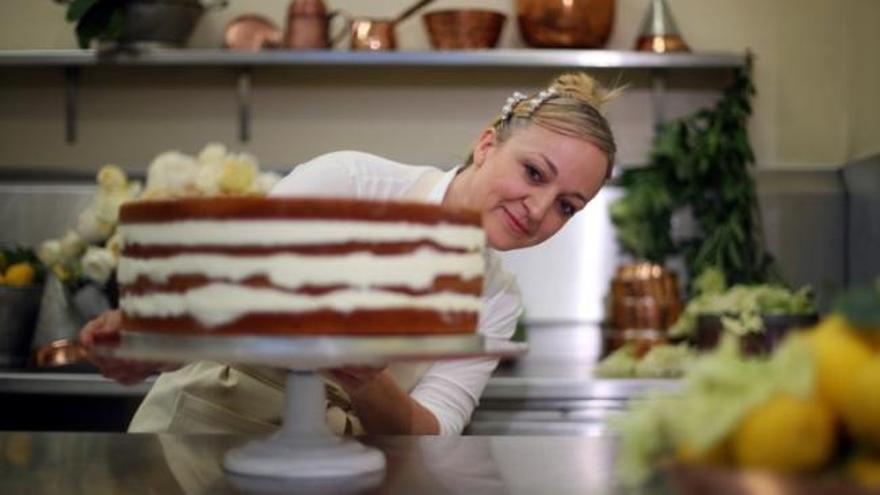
[700,165]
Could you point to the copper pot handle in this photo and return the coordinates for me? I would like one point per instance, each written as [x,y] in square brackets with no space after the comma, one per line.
[346,26]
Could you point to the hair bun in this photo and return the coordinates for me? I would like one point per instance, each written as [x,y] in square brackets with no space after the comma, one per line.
[583,87]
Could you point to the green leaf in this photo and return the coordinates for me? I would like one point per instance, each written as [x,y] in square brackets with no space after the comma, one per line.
[104,19]
[78,8]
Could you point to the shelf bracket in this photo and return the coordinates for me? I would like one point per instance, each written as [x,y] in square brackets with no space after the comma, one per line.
[243,99]
[658,96]
[71,95]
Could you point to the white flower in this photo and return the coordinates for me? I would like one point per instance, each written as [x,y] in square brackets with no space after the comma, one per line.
[238,174]
[89,227]
[208,178]
[134,188]
[111,177]
[107,205]
[173,172]
[49,252]
[212,153]
[98,264]
[71,245]
[266,181]
[114,245]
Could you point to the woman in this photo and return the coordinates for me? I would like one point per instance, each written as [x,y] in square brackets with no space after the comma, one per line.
[530,171]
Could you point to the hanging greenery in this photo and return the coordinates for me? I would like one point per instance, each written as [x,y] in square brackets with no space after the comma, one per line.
[703,164]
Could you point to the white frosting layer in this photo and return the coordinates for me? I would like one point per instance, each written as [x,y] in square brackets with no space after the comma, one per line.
[284,231]
[217,304]
[416,270]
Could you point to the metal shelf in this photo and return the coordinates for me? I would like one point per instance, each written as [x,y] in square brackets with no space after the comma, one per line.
[72,62]
[522,58]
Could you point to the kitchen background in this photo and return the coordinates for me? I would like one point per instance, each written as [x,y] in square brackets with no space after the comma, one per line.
[815,131]
[816,73]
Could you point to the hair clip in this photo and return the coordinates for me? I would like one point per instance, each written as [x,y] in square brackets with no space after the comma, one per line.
[541,97]
[512,101]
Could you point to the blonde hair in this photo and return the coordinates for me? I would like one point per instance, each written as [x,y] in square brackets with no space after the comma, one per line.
[573,109]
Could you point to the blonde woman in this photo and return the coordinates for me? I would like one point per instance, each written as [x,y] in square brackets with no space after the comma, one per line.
[534,167]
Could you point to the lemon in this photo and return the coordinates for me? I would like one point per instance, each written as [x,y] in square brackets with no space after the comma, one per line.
[19,275]
[785,434]
[839,353]
[865,470]
[861,415]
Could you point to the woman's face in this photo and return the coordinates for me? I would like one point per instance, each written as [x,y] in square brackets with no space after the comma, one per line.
[530,185]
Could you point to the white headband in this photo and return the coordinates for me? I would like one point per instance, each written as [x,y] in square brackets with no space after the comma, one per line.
[514,99]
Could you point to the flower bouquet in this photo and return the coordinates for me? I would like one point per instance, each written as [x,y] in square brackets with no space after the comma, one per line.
[81,263]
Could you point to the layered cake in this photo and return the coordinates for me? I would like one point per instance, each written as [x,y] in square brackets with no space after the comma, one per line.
[299,266]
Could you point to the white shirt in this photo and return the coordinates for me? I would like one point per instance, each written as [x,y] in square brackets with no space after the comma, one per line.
[449,389]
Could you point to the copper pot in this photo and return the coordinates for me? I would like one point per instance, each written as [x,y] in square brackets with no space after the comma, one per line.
[644,296]
[308,25]
[378,34]
[565,23]
[251,32]
[464,29]
[644,302]
[372,34]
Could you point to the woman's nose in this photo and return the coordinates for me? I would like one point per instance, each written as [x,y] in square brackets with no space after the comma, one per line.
[537,204]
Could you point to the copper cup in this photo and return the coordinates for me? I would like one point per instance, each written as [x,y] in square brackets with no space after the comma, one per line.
[372,34]
[464,29]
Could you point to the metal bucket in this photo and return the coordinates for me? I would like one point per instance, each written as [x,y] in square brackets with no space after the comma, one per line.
[19,307]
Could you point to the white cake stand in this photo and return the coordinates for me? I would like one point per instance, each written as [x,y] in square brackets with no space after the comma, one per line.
[304,447]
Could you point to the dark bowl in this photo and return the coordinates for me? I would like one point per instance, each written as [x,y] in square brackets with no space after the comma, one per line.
[160,22]
[709,330]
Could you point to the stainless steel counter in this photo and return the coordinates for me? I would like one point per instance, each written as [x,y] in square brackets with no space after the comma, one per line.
[558,366]
[549,391]
[82,384]
[168,464]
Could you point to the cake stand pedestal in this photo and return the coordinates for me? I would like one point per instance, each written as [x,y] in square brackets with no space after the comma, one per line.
[304,447]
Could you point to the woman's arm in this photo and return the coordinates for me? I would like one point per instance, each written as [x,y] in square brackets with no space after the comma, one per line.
[382,406]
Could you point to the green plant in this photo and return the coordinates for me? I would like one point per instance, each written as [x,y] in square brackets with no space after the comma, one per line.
[96,19]
[702,164]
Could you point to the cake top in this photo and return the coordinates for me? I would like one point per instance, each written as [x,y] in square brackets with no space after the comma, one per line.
[243,208]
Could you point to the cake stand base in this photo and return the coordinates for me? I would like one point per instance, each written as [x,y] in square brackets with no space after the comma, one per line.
[305,447]
[304,457]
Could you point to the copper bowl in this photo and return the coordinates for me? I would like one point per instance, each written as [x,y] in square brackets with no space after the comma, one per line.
[565,23]
[464,29]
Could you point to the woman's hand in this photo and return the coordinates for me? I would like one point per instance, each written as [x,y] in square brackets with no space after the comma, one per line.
[105,330]
[382,406]
[353,379]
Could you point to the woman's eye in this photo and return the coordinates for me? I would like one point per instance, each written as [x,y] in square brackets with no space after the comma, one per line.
[567,209]
[533,173]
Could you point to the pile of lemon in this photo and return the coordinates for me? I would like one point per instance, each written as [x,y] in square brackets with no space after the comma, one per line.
[839,425]
[18,273]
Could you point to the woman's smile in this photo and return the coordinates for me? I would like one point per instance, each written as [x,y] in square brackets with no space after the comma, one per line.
[516,227]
